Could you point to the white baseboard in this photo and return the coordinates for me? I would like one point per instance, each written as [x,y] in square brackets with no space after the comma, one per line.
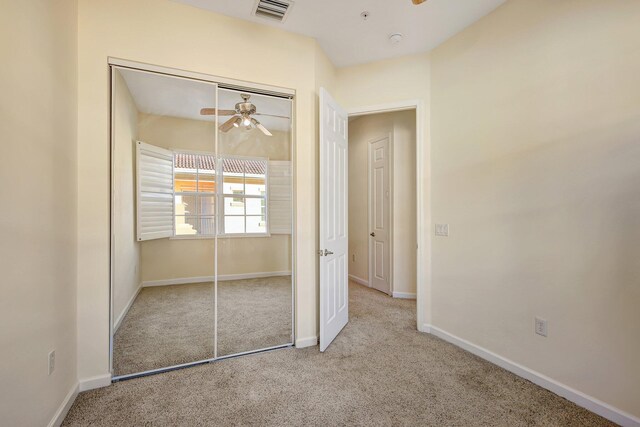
[257,275]
[404,295]
[581,399]
[94,382]
[358,280]
[222,277]
[126,309]
[62,411]
[306,342]
[82,385]
[178,281]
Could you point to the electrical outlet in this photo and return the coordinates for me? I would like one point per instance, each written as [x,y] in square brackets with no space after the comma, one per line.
[541,326]
[442,230]
[52,361]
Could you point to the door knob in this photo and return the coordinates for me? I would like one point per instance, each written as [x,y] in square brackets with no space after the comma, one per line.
[372,234]
[327,252]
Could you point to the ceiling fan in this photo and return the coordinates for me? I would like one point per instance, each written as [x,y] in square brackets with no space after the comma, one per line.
[418,1]
[242,116]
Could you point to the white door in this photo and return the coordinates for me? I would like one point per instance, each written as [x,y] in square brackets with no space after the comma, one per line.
[379,216]
[334,290]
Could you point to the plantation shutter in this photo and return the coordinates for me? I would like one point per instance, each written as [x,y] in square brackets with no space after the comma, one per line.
[154,183]
[280,197]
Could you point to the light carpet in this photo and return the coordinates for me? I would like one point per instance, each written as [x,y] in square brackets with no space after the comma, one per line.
[170,325]
[378,371]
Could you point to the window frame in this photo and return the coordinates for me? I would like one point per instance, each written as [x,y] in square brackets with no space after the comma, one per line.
[219,196]
[220,201]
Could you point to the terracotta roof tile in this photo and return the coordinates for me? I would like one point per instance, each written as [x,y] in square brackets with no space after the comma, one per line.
[208,162]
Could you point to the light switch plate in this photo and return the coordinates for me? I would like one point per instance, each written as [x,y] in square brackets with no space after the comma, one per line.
[442,230]
[52,361]
[541,326]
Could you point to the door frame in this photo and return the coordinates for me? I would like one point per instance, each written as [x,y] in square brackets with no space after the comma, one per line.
[423,201]
[370,210]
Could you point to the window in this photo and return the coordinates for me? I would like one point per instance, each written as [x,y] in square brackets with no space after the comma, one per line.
[194,185]
[179,194]
[244,194]
[242,197]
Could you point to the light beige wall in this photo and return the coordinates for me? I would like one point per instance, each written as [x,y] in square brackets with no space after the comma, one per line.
[404,202]
[177,133]
[38,247]
[180,258]
[388,81]
[256,144]
[536,130]
[325,73]
[401,127]
[199,135]
[183,258]
[126,260]
[166,33]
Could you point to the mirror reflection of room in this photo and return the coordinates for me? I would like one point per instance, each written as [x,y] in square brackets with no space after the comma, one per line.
[175,199]
[254,244]
[162,316]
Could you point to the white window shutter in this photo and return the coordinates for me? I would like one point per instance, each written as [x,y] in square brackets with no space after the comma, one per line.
[280,197]
[154,183]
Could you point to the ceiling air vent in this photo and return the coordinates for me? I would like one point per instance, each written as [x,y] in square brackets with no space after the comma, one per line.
[273,9]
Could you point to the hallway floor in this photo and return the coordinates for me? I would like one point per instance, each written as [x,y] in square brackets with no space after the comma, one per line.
[379,371]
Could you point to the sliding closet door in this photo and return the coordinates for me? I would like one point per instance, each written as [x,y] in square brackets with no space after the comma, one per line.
[164,203]
[254,244]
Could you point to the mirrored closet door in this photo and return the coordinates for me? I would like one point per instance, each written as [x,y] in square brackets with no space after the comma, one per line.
[254,232]
[201,222]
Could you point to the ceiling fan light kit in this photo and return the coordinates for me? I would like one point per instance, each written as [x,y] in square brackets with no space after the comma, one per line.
[241,116]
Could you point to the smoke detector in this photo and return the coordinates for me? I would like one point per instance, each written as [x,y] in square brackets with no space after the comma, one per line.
[276,10]
[395,38]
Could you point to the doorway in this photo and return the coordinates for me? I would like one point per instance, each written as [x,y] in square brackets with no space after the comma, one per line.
[382,202]
[337,200]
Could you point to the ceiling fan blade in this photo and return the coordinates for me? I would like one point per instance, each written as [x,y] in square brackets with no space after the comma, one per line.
[259,126]
[418,1]
[212,112]
[263,129]
[270,115]
[226,126]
